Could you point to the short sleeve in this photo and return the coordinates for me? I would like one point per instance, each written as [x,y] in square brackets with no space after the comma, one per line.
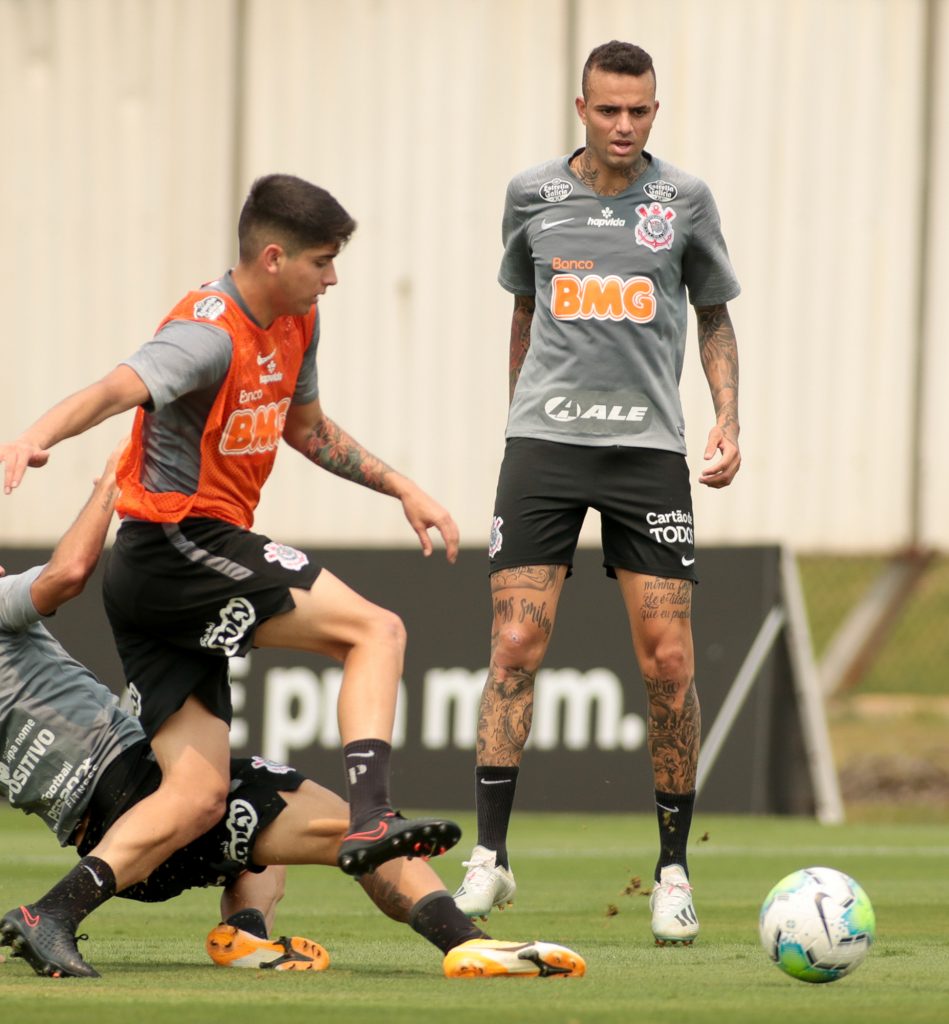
[17,611]
[182,357]
[308,387]
[706,267]
[516,273]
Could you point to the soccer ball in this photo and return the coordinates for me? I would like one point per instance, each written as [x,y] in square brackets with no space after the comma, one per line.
[817,924]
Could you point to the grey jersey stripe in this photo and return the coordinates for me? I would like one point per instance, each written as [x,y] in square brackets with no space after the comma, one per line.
[193,553]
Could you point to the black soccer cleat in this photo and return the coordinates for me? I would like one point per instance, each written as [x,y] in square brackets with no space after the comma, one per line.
[46,944]
[389,836]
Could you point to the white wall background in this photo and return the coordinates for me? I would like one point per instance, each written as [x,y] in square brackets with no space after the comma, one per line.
[131,130]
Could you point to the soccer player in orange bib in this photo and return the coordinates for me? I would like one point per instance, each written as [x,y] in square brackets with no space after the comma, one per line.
[231,372]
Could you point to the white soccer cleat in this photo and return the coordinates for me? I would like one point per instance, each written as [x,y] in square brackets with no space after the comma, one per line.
[673,915]
[486,885]
[489,958]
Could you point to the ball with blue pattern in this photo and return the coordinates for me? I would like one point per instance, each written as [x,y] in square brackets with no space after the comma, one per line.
[817,925]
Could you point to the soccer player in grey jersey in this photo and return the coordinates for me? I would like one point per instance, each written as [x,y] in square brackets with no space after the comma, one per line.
[602,251]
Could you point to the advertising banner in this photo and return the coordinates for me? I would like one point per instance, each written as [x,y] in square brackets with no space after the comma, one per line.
[587,750]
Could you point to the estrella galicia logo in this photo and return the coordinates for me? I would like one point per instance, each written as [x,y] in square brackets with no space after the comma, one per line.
[209,308]
[661,191]
[555,191]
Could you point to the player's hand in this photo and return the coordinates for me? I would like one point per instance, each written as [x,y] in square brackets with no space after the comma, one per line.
[423,513]
[721,472]
[17,457]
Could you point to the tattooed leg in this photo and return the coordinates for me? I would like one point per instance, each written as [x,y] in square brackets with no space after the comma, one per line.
[525,606]
[660,615]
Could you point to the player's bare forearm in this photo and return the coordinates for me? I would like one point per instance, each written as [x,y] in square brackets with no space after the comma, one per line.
[118,391]
[719,352]
[520,338]
[329,446]
[326,444]
[78,551]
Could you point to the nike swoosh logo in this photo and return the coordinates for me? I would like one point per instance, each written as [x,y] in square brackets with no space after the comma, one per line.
[819,898]
[546,225]
[494,782]
[32,920]
[671,810]
[687,561]
[362,753]
[95,877]
[266,359]
[377,833]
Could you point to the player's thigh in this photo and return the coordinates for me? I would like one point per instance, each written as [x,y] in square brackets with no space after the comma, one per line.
[659,610]
[308,830]
[330,618]
[192,748]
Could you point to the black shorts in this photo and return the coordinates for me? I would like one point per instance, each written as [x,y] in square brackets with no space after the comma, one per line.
[217,857]
[184,597]
[643,496]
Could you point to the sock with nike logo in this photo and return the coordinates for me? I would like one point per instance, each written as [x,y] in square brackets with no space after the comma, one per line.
[90,883]
[367,779]
[675,820]
[494,798]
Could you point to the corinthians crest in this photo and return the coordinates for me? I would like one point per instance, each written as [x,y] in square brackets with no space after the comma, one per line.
[654,229]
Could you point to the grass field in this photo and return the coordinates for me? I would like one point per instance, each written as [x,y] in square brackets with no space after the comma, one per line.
[571,871]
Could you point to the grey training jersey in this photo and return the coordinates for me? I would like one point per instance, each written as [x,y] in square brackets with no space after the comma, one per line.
[59,726]
[610,277]
[183,367]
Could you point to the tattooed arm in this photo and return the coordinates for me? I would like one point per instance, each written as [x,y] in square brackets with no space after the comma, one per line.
[325,443]
[719,352]
[520,338]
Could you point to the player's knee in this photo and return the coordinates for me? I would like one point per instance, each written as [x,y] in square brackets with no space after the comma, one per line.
[519,647]
[193,811]
[386,630]
[672,661]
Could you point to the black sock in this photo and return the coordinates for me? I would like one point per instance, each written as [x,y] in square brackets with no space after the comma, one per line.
[494,798]
[675,819]
[90,883]
[249,920]
[367,778]
[436,918]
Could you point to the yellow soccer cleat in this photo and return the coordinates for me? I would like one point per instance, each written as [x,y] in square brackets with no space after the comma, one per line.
[229,946]
[489,958]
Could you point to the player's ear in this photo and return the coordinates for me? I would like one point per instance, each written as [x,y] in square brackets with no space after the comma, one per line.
[270,257]
[581,105]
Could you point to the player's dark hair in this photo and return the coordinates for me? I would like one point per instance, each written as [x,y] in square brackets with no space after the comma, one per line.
[290,211]
[618,58]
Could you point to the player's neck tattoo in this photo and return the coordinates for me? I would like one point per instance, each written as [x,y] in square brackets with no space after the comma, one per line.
[582,167]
